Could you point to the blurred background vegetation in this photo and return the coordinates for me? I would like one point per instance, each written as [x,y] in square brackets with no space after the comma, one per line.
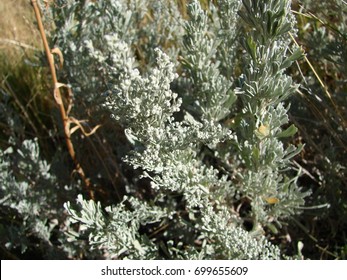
[318,109]
[24,85]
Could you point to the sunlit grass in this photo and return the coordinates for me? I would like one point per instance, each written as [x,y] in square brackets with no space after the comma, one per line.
[23,81]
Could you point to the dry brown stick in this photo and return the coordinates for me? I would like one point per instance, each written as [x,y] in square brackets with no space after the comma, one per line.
[58,99]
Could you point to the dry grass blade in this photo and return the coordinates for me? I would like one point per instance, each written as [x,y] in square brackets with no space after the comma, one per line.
[80,126]
[325,88]
[60,54]
[18,44]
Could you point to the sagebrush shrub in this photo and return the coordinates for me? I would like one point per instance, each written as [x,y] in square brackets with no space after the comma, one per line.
[201,95]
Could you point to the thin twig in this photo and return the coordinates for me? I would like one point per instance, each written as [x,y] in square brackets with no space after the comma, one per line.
[58,98]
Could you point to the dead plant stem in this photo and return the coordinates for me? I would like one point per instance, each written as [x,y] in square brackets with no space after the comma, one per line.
[58,99]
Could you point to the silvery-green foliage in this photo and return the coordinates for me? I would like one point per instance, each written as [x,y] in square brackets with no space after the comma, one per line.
[211,93]
[116,233]
[27,190]
[225,28]
[31,200]
[160,24]
[263,88]
[144,102]
[81,25]
[173,114]
[163,146]
[221,227]
[85,29]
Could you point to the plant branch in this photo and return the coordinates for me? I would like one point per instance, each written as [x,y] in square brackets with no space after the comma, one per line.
[58,98]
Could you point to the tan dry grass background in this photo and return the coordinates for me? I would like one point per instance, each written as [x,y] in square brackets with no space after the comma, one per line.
[18,31]
[23,79]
